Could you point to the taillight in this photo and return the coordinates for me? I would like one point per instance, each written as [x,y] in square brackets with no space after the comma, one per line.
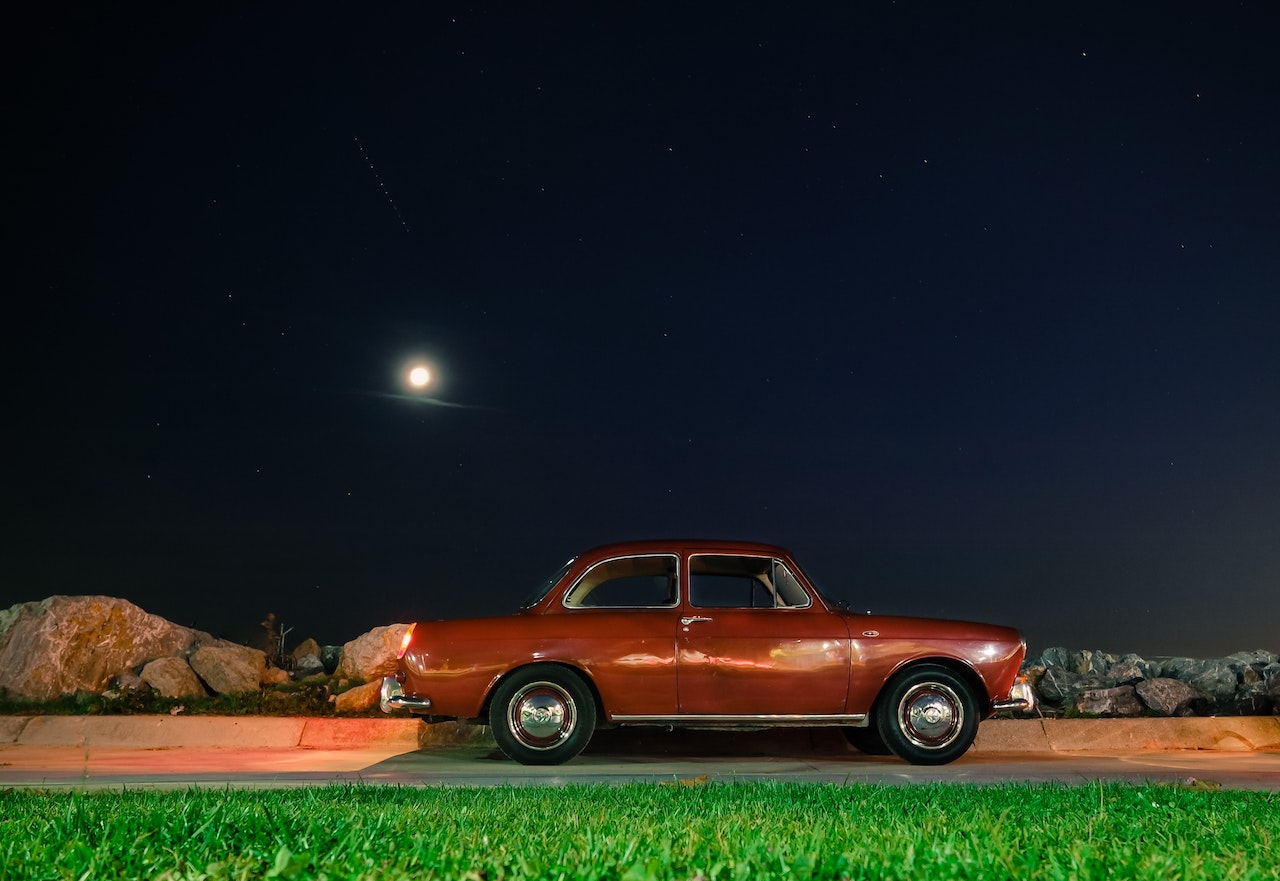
[404,643]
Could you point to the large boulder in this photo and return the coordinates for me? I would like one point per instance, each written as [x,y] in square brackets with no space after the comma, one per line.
[69,644]
[1130,669]
[230,669]
[359,699]
[1168,697]
[1119,701]
[1258,658]
[172,677]
[1082,662]
[1217,678]
[372,655]
[305,649]
[1060,687]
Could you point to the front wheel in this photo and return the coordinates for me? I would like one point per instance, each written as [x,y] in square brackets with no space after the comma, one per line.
[542,715]
[928,715]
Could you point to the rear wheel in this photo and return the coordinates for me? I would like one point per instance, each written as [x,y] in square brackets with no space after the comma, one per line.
[542,715]
[928,715]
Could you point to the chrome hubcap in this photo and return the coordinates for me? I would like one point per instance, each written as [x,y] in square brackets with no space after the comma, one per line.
[541,715]
[930,715]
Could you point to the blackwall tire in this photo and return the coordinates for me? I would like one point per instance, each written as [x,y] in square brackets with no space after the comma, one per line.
[542,715]
[928,715]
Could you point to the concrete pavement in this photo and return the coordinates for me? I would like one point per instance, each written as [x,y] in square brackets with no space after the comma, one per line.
[176,752]
[1228,733]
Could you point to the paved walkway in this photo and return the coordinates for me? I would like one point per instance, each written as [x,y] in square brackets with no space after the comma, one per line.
[394,756]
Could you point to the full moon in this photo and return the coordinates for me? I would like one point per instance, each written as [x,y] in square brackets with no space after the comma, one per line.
[419,377]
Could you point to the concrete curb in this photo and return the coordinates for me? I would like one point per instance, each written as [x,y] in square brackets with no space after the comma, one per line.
[1236,733]
[240,732]
[1226,733]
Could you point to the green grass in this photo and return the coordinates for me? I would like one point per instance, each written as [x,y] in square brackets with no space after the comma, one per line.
[643,831]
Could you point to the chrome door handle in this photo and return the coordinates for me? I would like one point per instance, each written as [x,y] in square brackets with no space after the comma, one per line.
[694,620]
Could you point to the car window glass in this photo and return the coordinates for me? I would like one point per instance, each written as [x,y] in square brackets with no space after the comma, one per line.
[538,595]
[787,587]
[714,590]
[731,581]
[635,581]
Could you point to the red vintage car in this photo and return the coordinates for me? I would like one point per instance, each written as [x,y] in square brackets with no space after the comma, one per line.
[705,634]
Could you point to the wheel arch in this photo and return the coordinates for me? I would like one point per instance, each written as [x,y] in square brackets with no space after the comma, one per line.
[960,668]
[564,665]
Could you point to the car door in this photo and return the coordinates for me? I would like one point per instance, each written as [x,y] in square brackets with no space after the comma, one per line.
[618,623]
[752,642]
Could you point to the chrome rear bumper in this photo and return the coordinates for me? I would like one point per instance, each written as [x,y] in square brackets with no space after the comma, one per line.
[1021,699]
[394,698]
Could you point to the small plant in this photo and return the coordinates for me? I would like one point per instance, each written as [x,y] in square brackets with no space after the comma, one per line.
[276,634]
[289,699]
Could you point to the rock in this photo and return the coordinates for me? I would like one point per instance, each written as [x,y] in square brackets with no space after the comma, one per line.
[372,655]
[1148,669]
[1253,699]
[307,666]
[230,669]
[1180,668]
[1057,656]
[1271,676]
[308,647]
[1095,662]
[128,682]
[274,676]
[172,677]
[1216,679]
[1168,697]
[330,656]
[70,644]
[1126,673]
[1083,663]
[1120,701]
[1058,685]
[359,699]
[1258,658]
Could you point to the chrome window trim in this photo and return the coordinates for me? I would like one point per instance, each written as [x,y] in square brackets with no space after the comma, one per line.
[564,598]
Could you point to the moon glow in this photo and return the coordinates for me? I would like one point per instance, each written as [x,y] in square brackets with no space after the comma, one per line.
[419,377]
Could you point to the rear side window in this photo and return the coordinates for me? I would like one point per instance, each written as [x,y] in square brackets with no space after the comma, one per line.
[643,581]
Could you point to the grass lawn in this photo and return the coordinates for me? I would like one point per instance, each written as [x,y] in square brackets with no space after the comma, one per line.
[642,831]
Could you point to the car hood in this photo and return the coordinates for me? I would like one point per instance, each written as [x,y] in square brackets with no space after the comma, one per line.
[906,627]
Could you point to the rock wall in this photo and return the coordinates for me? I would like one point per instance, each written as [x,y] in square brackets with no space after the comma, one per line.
[92,644]
[1101,684]
[69,645]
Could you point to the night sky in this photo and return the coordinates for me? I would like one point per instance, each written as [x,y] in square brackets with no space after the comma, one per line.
[974,307]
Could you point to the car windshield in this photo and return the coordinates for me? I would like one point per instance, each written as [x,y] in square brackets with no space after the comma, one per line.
[829,601]
[540,594]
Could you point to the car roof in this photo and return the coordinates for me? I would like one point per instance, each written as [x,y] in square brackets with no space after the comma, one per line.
[687,545]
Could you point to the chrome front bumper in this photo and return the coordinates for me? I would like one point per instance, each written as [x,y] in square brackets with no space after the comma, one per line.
[394,698]
[1021,699]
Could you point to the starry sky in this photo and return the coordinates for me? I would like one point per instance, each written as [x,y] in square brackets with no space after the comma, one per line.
[973,307]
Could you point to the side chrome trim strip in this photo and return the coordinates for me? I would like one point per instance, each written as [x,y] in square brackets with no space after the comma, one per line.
[798,720]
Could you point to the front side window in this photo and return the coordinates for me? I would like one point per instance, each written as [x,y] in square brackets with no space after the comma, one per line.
[732,581]
[643,581]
